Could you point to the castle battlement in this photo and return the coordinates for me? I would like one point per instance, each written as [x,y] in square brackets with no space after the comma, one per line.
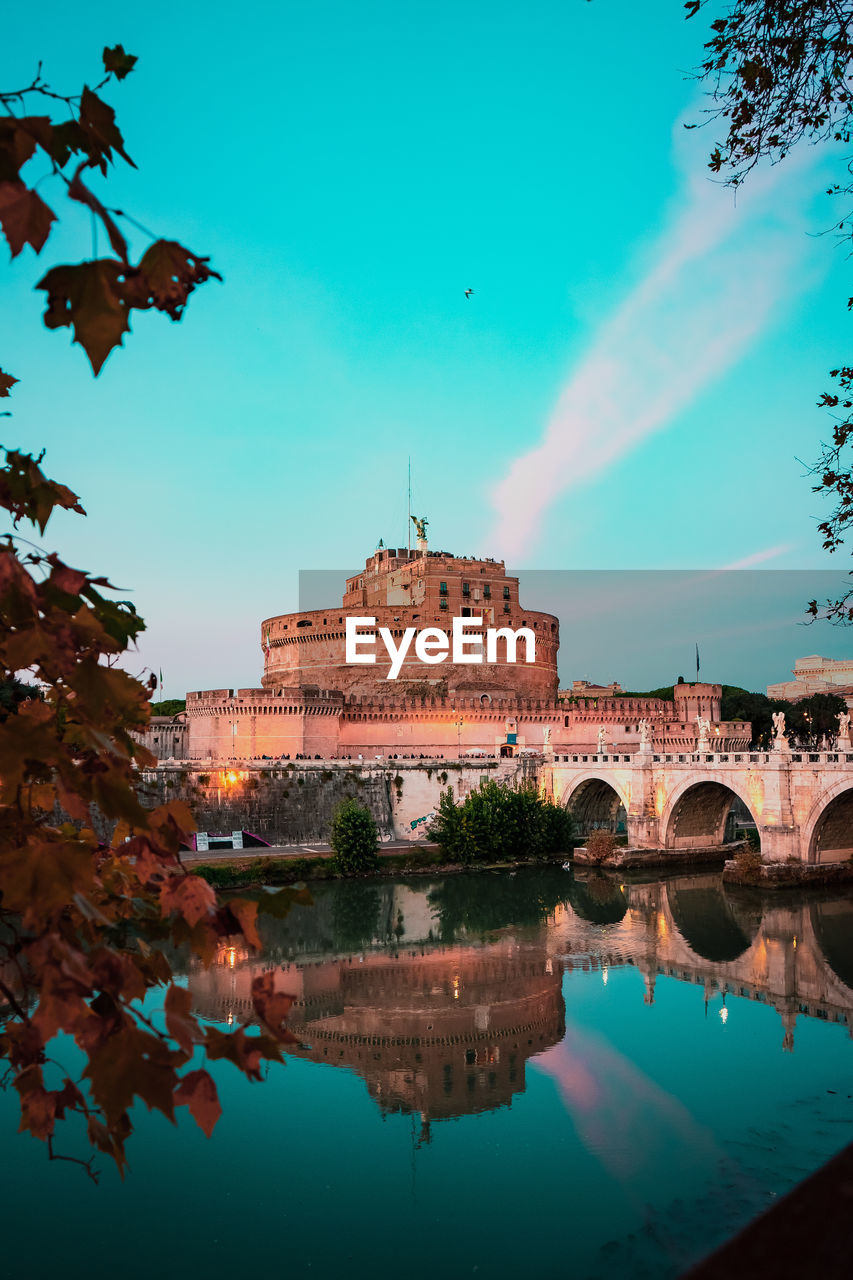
[312,702]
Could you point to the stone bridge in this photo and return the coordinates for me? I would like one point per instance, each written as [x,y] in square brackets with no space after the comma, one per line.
[801,802]
[796,955]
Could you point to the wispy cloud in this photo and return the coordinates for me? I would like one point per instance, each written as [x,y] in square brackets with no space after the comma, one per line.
[716,278]
[757,557]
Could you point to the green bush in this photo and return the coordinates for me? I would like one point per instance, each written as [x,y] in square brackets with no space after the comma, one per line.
[354,839]
[499,823]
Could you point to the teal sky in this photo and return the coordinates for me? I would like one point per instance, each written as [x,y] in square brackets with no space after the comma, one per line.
[629,386]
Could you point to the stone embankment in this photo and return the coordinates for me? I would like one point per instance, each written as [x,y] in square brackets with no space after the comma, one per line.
[625,859]
[293,802]
[787,875]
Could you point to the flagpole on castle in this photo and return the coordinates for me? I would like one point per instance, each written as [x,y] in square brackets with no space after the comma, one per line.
[409,521]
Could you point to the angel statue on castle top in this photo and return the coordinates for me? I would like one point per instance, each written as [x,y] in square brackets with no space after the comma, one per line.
[420,523]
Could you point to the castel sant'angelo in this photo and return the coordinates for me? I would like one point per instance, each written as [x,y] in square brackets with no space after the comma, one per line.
[314,703]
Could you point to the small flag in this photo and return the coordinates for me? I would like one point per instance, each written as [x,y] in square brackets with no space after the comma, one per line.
[161,679]
[697,660]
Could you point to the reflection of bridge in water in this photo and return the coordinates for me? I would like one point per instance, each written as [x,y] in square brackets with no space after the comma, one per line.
[446,1029]
[801,802]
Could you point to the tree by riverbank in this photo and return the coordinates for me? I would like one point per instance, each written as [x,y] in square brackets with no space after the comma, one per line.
[498,823]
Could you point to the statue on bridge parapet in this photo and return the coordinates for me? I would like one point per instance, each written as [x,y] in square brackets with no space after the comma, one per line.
[780,740]
[602,742]
[704,727]
[645,736]
[844,742]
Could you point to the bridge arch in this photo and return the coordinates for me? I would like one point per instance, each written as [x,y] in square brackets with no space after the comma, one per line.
[695,812]
[596,803]
[832,925]
[714,927]
[827,833]
[598,899]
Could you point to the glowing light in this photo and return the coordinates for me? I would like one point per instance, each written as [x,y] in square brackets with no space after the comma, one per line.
[455,988]
[795,942]
[231,777]
[660,799]
[724,1015]
[755,790]
[605,974]
[230,1018]
[232,956]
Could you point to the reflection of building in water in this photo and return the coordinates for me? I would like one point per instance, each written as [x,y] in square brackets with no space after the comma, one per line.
[796,957]
[447,1030]
[443,1032]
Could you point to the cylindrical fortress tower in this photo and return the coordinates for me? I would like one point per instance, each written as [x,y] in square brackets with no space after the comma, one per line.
[400,589]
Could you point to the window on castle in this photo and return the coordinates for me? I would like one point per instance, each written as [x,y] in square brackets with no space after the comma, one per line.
[442,587]
[506,608]
[487,590]
[442,604]
[466,613]
[506,593]
[466,588]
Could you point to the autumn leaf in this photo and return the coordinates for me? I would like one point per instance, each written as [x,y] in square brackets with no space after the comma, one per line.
[246,913]
[27,493]
[198,1092]
[98,121]
[67,139]
[189,896]
[271,1006]
[118,62]
[24,216]
[19,137]
[88,296]
[131,1063]
[180,1023]
[166,277]
[6,383]
[243,1050]
[46,879]
[38,1107]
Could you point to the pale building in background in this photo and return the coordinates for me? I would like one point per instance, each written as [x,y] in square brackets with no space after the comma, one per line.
[816,675]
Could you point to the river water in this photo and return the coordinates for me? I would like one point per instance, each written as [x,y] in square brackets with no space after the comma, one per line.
[500,1072]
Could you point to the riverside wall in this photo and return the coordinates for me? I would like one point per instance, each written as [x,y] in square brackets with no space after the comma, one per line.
[293,803]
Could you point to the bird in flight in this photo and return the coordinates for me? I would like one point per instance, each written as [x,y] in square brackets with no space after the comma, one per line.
[468,293]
